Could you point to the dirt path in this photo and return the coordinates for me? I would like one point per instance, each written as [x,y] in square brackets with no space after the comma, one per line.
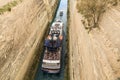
[88,60]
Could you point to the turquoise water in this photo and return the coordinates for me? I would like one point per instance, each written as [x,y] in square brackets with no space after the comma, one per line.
[45,76]
[63,6]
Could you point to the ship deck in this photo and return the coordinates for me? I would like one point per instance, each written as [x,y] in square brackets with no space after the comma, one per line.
[52,56]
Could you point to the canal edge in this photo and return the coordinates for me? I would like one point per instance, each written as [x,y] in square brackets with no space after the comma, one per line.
[67,67]
[32,70]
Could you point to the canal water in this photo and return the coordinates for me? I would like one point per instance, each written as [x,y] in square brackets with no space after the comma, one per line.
[45,76]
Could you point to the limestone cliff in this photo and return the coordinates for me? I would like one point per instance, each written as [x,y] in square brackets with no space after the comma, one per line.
[21,31]
[94,56]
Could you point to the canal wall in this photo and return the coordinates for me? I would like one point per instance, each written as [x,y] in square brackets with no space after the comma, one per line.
[21,33]
[95,55]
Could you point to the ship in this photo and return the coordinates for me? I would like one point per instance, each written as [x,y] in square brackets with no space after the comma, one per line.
[61,13]
[51,62]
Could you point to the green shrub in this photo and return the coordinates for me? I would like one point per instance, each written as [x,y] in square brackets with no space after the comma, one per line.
[92,10]
[8,6]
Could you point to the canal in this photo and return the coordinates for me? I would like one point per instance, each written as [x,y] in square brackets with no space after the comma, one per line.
[45,76]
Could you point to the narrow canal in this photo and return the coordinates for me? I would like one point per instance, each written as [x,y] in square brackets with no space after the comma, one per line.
[45,76]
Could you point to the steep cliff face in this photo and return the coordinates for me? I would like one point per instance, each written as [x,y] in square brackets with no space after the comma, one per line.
[21,31]
[94,56]
[109,37]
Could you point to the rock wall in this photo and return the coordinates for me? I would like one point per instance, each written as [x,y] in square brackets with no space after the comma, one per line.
[109,34]
[21,31]
[94,56]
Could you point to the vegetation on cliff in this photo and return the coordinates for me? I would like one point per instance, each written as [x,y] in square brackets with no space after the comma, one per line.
[8,6]
[92,10]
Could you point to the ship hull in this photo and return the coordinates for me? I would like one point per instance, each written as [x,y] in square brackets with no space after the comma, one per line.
[51,71]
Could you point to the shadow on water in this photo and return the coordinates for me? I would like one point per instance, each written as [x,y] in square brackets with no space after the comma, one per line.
[45,76]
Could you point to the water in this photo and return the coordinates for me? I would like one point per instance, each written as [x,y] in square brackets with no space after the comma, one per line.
[44,76]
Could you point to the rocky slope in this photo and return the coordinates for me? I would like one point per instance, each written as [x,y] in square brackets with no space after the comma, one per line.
[21,31]
[94,56]
[109,37]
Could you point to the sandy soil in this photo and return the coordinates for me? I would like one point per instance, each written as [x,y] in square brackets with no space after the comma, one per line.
[108,36]
[91,58]
[3,2]
[21,31]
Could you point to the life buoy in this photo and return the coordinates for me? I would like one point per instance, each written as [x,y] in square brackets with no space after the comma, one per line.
[49,37]
[61,37]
